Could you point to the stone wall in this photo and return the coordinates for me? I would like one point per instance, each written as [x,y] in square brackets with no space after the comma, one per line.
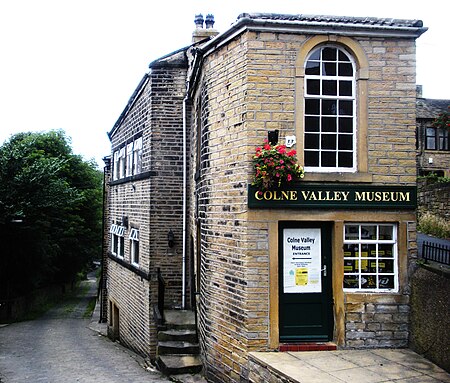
[430,322]
[435,198]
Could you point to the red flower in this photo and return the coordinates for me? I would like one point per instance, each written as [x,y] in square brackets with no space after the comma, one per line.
[289,177]
[292,153]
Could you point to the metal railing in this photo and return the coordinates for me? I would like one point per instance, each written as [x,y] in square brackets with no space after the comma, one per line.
[161,292]
[436,253]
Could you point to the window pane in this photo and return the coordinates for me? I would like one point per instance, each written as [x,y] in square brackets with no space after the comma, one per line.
[312,106]
[351,249]
[311,158]
[315,55]
[328,124]
[329,141]
[313,86]
[345,160]
[386,281]
[368,281]
[328,159]
[385,266]
[329,87]
[343,56]
[345,142]
[329,69]
[345,88]
[345,69]
[329,54]
[386,232]
[368,232]
[351,232]
[312,68]
[385,250]
[431,143]
[312,124]
[351,281]
[345,108]
[329,107]
[345,125]
[312,141]
[351,266]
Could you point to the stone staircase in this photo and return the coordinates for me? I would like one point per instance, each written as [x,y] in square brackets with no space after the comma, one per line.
[178,351]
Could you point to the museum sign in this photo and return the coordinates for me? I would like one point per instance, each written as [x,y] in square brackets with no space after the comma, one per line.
[304,195]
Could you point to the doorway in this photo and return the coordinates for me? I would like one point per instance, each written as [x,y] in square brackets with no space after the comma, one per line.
[305,286]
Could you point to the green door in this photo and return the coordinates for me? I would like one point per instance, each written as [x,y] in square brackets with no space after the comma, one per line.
[305,294]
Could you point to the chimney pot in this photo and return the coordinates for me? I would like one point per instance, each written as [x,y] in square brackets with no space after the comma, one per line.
[209,21]
[199,21]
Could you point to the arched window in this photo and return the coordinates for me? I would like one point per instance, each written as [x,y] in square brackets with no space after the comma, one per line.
[330,111]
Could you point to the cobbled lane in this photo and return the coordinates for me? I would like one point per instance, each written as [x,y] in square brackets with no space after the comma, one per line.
[61,348]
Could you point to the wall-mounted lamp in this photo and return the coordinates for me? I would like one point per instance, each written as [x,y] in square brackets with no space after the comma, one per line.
[170,238]
[272,136]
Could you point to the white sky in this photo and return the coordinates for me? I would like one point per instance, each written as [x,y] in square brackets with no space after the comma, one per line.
[73,64]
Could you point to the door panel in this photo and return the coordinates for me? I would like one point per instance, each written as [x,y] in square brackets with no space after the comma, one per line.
[305,301]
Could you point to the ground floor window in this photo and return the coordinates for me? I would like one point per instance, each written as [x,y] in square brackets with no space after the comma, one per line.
[370,257]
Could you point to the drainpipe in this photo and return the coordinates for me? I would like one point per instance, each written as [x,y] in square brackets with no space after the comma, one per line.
[183,271]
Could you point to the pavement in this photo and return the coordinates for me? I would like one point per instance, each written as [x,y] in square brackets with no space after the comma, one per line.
[351,366]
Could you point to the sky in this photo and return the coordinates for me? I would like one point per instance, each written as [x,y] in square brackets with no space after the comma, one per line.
[73,64]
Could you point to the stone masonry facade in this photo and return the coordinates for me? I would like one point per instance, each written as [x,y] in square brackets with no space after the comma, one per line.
[226,93]
[149,201]
[249,86]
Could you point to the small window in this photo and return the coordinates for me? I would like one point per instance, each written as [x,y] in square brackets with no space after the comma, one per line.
[117,240]
[134,246]
[129,161]
[437,139]
[370,257]
[137,156]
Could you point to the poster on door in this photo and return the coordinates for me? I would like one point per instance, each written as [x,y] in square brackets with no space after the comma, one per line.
[302,260]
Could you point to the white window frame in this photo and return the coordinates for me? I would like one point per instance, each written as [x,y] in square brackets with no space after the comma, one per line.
[116,165]
[134,246]
[137,156]
[117,240]
[122,161]
[374,259]
[129,160]
[338,98]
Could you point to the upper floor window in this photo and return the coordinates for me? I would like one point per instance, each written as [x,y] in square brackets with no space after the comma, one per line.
[330,111]
[437,139]
[128,160]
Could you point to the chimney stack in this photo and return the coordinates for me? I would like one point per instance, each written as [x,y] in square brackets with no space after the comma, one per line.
[200,33]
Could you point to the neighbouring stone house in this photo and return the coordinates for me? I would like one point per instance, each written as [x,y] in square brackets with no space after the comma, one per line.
[320,263]
[433,143]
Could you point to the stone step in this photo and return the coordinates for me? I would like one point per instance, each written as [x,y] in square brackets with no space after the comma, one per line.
[179,319]
[179,364]
[178,348]
[178,335]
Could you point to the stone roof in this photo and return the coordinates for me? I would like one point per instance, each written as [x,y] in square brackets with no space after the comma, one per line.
[374,21]
[428,108]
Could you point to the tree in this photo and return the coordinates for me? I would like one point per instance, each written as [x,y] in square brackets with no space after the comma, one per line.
[50,212]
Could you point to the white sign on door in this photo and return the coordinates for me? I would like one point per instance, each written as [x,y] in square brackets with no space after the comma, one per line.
[302,260]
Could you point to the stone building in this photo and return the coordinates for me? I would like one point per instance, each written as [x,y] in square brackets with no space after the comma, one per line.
[433,143]
[320,263]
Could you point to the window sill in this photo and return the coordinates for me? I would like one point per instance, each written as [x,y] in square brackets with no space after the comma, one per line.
[338,177]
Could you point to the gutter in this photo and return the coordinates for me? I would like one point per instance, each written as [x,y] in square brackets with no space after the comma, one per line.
[183,271]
